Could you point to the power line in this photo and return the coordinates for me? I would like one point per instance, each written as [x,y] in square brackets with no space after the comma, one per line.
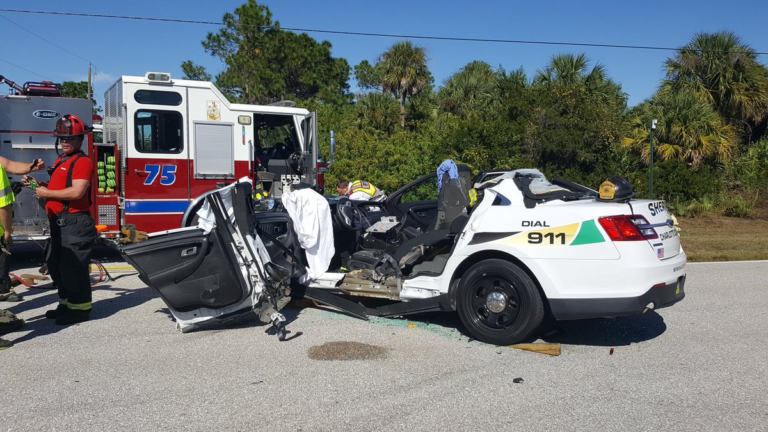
[44,39]
[57,46]
[25,70]
[387,35]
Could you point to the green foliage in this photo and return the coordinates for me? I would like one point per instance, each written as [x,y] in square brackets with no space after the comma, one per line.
[749,169]
[75,89]
[483,144]
[194,72]
[425,191]
[737,206]
[265,64]
[79,90]
[378,111]
[403,72]
[721,70]
[688,130]
[389,162]
[473,92]
[576,115]
[368,78]
[704,206]
[676,181]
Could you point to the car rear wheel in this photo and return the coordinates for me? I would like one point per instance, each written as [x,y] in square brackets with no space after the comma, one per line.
[499,303]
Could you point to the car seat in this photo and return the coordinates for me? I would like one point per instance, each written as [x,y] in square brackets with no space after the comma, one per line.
[415,246]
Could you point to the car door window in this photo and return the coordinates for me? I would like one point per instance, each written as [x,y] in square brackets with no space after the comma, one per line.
[426,190]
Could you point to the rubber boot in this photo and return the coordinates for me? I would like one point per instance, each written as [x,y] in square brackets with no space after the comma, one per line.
[9,322]
[73,316]
[55,313]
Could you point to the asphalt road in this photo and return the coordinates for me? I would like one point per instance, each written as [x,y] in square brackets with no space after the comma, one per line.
[700,365]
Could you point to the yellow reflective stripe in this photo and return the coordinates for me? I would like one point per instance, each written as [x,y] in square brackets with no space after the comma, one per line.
[6,191]
[80,306]
[6,196]
[63,301]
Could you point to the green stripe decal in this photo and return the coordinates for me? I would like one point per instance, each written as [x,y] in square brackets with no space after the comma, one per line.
[588,234]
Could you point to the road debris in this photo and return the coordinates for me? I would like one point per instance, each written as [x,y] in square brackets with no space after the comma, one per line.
[552,349]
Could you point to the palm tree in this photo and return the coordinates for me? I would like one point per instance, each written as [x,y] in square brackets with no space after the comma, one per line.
[472,91]
[404,73]
[377,110]
[569,75]
[570,69]
[723,71]
[688,130]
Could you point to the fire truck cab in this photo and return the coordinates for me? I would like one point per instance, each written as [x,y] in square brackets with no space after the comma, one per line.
[168,141]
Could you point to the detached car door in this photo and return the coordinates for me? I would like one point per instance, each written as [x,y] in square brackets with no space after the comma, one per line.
[203,275]
[189,269]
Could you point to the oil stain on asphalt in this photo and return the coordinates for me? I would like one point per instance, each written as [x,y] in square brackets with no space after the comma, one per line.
[347,351]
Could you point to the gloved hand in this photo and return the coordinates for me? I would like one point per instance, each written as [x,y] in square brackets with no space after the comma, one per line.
[16,187]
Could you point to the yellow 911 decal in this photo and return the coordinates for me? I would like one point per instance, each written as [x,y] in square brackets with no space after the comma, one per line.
[567,235]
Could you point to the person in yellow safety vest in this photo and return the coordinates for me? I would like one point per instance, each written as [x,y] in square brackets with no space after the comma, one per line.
[8,321]
[360,190]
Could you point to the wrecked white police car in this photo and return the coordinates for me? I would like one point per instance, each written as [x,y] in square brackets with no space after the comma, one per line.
[527,247]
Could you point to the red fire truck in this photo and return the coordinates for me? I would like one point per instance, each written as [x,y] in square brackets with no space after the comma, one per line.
[168,141]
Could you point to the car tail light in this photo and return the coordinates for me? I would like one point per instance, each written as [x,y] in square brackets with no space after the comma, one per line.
[627,228]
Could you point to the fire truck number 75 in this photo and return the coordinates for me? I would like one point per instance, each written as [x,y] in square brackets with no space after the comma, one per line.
[167,174]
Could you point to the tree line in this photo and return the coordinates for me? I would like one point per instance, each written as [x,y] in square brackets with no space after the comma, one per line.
[569,118]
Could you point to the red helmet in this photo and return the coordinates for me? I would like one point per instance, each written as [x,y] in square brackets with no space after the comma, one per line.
[69,126]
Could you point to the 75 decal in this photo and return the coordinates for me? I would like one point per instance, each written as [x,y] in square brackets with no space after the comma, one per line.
[167,174]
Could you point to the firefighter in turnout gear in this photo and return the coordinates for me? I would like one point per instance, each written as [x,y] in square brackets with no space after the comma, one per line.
[73,232]
[360,190]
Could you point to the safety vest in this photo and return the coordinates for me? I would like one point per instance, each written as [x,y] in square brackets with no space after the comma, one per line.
[363,186]
[6,194]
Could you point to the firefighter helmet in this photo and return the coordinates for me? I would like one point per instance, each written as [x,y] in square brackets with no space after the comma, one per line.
[615,189]
[70,126]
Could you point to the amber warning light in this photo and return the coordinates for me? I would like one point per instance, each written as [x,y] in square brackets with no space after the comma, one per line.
[158,77]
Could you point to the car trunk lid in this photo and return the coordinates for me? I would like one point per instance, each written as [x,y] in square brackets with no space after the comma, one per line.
[667,243]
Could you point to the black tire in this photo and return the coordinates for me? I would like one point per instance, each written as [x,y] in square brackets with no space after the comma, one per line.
[499,303]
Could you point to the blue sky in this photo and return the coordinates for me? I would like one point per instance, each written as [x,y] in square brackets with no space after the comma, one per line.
[123,47]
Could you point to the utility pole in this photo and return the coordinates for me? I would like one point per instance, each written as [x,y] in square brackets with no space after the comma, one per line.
[653,128]
[90,95]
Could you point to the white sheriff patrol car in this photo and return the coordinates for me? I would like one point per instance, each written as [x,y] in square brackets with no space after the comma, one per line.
[519,248]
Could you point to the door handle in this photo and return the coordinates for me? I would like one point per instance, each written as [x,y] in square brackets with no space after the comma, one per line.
[140,172]
[189,252]
[421,214]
